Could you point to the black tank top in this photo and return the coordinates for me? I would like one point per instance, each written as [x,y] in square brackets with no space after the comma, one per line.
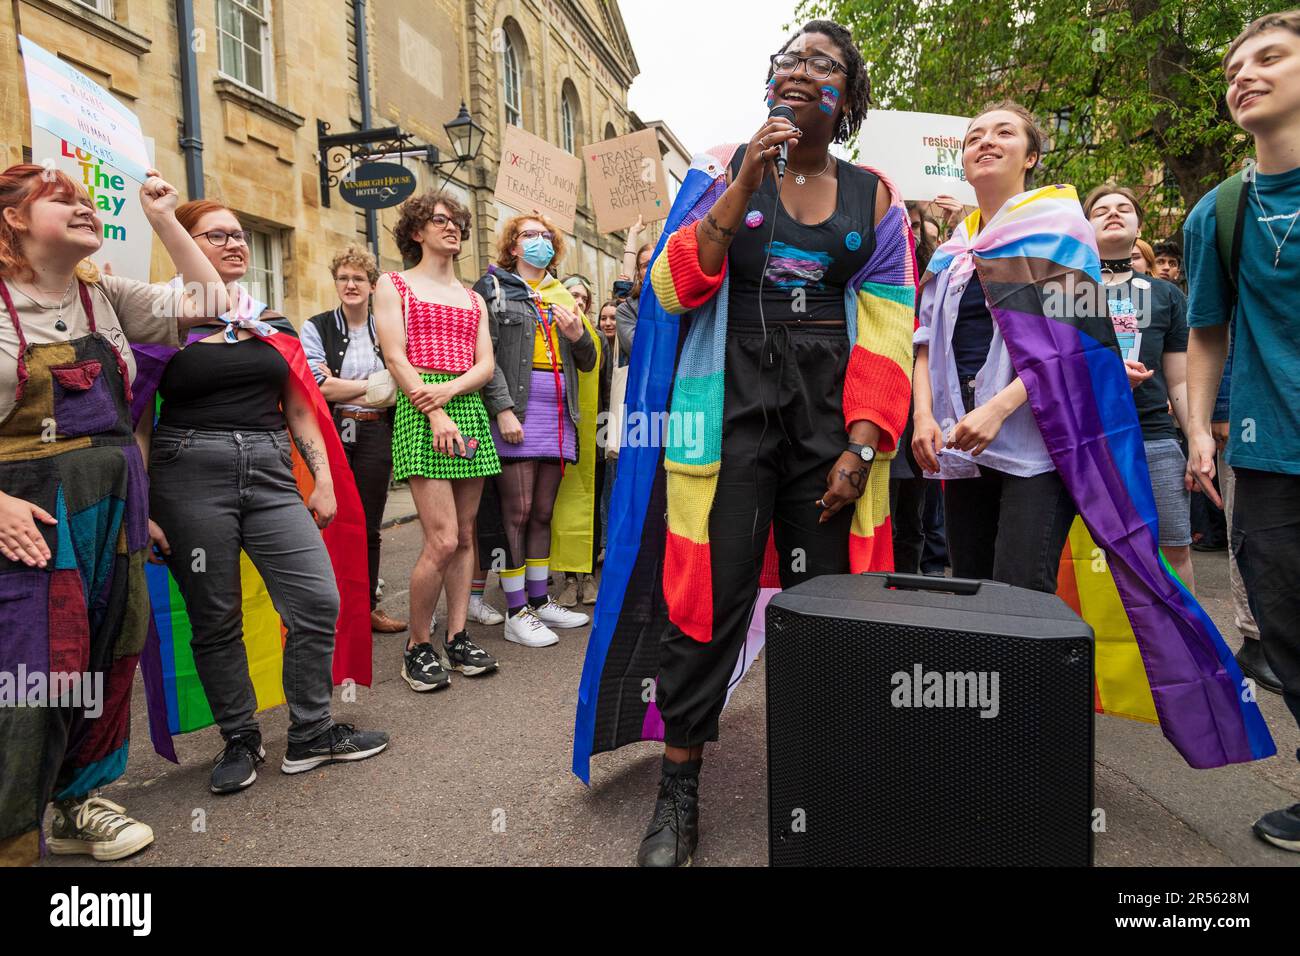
[810,266]
[216,386]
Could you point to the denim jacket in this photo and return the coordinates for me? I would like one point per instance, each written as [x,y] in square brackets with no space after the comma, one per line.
[512,323]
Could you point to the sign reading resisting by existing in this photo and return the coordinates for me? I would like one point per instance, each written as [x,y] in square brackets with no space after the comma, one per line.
[377,185]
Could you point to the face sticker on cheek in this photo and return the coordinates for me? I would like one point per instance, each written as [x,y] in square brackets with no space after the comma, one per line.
[771,92]
[830,99]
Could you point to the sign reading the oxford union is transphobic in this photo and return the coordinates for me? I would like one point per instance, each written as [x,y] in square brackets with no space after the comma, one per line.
[536,175]
[79,111]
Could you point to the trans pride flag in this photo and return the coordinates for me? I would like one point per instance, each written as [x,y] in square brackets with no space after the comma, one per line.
[1159,656]
[175,698]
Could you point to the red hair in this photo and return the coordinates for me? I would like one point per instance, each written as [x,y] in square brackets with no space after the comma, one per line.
[20,186]
[189,213]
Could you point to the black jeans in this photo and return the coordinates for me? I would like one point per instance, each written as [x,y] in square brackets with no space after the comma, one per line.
[1266,538]
[1008,529]
[369,450]
[783,429]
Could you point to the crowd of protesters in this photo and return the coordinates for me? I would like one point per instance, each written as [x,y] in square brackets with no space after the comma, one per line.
[497,403]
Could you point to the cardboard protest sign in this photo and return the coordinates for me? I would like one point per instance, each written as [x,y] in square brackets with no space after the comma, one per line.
[536,175]
[920,152]
[128,237]
[626,179]
[75,108]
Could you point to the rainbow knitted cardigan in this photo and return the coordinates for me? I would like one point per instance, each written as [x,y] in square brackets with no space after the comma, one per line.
[658,568]
[880,306]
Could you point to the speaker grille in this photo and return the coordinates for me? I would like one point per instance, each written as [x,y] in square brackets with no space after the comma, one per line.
[854,780]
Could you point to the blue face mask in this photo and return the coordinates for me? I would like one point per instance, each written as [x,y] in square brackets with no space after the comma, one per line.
[538,252]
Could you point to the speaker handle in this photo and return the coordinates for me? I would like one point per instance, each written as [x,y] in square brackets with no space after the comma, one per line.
[927,582]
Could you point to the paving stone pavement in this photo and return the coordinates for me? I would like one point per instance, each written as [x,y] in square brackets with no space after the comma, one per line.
[479,774]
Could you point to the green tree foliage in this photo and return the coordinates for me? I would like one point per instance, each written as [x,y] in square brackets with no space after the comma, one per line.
[1130,91]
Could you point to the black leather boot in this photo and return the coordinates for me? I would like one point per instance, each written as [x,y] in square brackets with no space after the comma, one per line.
[1254,665]
[675,827]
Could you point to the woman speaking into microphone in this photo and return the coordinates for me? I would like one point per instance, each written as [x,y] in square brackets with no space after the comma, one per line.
[798,296]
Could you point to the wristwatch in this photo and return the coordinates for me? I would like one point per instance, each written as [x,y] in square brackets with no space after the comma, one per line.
[865,452]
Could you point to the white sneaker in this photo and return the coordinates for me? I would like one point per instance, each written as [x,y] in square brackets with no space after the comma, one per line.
[556,616]
[483,613]
[433,624]
[525,628]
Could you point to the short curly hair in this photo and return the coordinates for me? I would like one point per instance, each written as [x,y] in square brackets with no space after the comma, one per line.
[356,256]
[415,215]
[857,82]
[509,235]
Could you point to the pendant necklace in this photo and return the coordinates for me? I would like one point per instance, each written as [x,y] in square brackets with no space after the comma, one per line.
[59,324]
[800,178]
[1277,246]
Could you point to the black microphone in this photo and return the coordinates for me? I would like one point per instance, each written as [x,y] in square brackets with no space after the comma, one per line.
[782,155]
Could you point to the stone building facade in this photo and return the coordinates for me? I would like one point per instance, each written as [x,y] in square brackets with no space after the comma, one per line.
[268,70]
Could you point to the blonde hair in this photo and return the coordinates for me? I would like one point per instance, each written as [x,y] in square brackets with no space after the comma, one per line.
[354,255]
[509,235]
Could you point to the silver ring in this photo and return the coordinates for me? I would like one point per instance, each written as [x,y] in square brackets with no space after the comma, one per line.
[762,142]
[821,504]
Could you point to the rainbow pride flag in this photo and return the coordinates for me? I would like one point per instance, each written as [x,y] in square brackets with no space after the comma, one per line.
[1159,656]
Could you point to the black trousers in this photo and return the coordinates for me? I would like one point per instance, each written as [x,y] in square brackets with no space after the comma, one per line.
[783,429]
[1008,529]
[369,450]
[1266,538]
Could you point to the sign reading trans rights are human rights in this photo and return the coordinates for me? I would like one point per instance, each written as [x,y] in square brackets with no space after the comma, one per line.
[79,111]
[920,152]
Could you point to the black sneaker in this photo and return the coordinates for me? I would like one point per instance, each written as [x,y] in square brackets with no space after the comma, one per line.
[340,742]
[422,670]
[1281,828]
[236,765]
[465,656]
[674,829]
[1254,665]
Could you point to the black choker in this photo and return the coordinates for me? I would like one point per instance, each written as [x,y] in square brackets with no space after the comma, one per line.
[1116,265]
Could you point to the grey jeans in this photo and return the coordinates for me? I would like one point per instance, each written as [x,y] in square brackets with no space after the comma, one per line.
[215,493]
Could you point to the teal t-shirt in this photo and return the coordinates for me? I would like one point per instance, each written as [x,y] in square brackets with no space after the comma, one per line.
[1264,402]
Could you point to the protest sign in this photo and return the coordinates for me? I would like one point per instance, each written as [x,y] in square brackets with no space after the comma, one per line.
[920,152]
[75,108]
[128,237]
[536,175]
[626,179]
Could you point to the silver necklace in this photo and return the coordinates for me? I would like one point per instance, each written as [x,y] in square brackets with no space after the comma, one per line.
[800,178]
[1277,246]
[61,305]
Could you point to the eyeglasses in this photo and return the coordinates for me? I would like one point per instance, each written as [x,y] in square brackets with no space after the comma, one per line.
[537,234]
[351,280]
[817,67]
[219,237]
[442,222]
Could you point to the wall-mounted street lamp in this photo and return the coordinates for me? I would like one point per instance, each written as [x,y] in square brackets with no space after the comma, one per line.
[466,139]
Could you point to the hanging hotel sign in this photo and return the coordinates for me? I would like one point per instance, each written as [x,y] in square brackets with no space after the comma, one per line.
[377,185]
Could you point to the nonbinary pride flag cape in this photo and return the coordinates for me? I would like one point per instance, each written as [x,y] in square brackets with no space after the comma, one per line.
[1037,260]
[175,698]
[616,696]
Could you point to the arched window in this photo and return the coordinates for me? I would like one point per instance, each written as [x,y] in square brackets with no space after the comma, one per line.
[512,79]
[570,119]
[610,132]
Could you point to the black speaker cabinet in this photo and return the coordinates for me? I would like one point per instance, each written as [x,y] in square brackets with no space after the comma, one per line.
[916,721]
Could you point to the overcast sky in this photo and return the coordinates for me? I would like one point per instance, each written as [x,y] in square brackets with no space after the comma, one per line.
[705,78]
